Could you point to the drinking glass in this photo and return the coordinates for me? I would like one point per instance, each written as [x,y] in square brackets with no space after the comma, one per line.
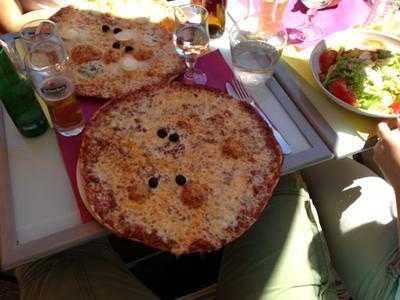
[38,31]
[255,52]
[309,32]
[271,14]
[49,70]
[191,39]
[216,16]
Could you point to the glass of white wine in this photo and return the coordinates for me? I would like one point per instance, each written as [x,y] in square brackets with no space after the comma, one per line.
[191,39]
[309,31]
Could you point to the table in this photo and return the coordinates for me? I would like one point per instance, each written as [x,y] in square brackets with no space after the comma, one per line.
[344,132]
[39,212]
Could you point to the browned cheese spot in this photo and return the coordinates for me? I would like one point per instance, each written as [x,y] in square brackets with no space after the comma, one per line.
[194,194]
[112,56]
[232,148]
[85,53]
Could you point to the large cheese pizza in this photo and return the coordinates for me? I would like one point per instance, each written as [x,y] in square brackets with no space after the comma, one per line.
[182,169]
[112,55]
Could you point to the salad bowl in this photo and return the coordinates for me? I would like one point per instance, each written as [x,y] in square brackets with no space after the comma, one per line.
[365,44]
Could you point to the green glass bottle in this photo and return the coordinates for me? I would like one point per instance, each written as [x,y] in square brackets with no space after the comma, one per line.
[19,99]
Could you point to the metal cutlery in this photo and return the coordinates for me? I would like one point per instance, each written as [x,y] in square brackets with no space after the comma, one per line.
[237,90]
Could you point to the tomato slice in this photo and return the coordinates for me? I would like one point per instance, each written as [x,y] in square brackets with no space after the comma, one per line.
[341,90]
[327,59]
[396,107]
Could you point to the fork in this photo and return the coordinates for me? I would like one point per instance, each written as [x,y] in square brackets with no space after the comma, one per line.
[244,95]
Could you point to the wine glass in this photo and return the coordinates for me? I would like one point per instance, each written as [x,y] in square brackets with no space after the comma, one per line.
[309,31]
[191,39]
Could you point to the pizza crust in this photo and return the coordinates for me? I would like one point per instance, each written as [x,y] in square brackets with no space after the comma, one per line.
[231,172]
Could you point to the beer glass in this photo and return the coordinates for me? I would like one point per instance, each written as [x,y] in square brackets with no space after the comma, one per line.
[271,14]
[39,31]
[216,16]
[48,68]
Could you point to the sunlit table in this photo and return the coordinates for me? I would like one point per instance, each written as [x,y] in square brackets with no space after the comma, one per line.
[38,211]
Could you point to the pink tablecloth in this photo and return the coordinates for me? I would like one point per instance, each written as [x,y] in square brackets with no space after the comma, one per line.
[338,17]
[218,73]
[342,15]
[345,14]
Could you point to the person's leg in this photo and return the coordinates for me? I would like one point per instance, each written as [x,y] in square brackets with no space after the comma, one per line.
[283,256]
[91,271]
[358,216]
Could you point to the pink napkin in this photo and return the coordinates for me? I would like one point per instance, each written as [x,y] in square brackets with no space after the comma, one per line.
[218,73]
[69,147]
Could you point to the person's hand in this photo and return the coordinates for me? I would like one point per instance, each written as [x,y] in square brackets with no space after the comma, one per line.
[387,154]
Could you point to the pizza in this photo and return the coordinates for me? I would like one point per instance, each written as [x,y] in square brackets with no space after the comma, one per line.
[183,169]
[112,55]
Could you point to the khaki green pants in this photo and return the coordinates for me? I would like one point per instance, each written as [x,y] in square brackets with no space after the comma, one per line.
[358,213]
[283,256]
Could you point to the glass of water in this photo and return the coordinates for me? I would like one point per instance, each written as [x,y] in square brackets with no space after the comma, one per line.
[191,39]
[255,52]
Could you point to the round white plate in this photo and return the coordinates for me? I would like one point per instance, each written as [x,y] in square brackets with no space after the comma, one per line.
[353,39]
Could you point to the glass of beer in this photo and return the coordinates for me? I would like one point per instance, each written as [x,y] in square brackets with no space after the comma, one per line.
[49,70]
[271,14]
[38,31]
[216,16]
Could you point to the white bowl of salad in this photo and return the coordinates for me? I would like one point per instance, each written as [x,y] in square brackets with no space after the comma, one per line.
[360,71]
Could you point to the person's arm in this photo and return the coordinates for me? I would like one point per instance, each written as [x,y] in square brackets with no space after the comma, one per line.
[387,155]
[12,18]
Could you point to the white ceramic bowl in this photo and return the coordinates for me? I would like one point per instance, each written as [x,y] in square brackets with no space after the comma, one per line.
[352,39]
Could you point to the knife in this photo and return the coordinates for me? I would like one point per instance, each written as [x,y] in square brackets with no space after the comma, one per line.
[279,138]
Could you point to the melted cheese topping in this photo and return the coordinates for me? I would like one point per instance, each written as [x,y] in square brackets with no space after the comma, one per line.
[211,129]
[128,63]
[126,35]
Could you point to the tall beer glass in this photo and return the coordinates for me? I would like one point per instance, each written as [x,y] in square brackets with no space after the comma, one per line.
[48,68]
[38,31]
[271,14]
[216,15]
